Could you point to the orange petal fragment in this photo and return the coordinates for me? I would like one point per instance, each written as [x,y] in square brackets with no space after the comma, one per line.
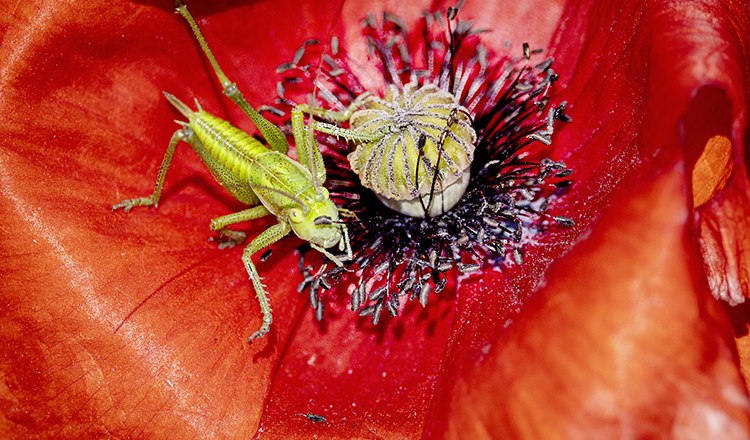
[712,169]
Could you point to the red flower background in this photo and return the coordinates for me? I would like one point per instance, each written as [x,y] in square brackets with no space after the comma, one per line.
[134,324]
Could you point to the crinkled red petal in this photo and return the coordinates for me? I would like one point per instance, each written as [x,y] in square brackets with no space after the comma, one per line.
[624,337]
[134,325]
[632,78]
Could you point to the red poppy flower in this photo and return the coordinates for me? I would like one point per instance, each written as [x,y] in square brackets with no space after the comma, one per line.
[134,325]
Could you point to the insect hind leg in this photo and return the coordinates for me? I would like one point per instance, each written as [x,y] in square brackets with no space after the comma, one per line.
[265,239]
[271,133]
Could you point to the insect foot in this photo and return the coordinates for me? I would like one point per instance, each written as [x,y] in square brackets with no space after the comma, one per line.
[127,205]
[153,199]
[264,329]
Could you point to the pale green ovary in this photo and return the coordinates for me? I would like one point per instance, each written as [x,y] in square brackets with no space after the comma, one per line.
[402,117]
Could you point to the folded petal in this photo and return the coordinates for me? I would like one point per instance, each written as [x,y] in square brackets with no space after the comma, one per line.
[630,106]
[623,340]
[114,324]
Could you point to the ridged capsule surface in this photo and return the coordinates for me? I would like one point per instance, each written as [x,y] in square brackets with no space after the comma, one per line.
[418,117]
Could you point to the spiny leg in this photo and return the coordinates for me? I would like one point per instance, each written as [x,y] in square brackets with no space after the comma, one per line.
[308,153]
[153,199]
[333,115]
[335,130]
[271,133]
[220,224]
[265,239]
[330,256]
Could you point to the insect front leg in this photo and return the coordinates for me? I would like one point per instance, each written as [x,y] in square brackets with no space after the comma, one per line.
[348,213]
[330,256]
[345,243]
[153,199]
[220,224]
[307,151]
[335,130]
[271,133]
[265,239]
[333,115]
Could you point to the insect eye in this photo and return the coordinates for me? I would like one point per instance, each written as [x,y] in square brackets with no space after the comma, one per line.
[295,215]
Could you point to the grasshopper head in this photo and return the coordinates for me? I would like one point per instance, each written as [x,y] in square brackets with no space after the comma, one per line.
[317,224]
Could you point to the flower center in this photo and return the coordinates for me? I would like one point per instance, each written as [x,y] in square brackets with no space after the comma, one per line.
[456,125]
[420,165]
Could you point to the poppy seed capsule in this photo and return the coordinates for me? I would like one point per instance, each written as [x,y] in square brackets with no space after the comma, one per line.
[423,158]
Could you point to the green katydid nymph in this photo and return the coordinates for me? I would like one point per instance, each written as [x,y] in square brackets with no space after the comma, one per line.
[264,178]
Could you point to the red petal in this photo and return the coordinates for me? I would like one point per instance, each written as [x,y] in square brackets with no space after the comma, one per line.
[703,60]
[621,341]
[133,325]
[127,324]
[630,105]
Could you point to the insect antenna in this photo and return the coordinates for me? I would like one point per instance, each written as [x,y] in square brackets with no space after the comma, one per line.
[452,43]
[420,149]
[314,100]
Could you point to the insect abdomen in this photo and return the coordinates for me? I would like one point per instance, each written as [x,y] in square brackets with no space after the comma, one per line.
[227,145]
[228,152]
